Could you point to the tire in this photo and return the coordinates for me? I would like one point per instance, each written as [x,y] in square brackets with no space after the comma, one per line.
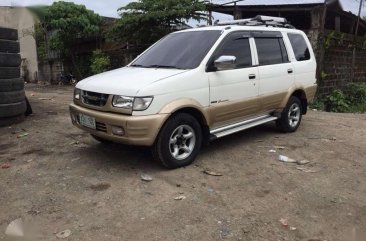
[10,60]
[9,46]
[174,129]
[29,109]
[11,120]
[291,116]
[12,97]
[15,109]
[101,140]
[9,72]
[8,34]
[7,85]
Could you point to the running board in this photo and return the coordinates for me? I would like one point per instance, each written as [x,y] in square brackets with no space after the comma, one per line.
[240,126]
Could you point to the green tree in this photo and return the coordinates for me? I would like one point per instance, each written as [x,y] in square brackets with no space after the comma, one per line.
[146,21]
[99,62]
[64,25]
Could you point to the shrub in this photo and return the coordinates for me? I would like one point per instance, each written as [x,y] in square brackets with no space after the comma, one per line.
[356,94]
[99,62]
[318,104]
[336,102]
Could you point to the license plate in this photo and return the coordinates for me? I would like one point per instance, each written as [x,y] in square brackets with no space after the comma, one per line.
[87,121]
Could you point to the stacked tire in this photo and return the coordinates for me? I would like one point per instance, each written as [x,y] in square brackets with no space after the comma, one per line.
[13,104]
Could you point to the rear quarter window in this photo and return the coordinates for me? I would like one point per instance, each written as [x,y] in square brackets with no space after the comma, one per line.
[299,46]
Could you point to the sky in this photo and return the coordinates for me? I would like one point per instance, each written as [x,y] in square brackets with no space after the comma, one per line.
[109,7]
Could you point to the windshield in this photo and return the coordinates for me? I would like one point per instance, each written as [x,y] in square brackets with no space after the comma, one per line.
[182,50]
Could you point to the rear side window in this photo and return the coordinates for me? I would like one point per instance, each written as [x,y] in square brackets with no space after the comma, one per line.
[271,51]
[237,45]
[299,46]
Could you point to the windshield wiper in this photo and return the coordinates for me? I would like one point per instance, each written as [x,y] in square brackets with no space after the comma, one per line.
[138,65]
[163,66]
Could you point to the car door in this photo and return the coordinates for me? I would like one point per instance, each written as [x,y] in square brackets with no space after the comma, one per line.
[275,69]
[233,92]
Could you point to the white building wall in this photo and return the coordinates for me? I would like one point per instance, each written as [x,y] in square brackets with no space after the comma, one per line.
[20,18]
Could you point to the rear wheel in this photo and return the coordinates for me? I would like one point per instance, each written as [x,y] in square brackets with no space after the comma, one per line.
[178,142]
[291,116]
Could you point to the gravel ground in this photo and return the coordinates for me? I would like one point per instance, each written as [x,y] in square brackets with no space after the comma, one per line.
[61,179]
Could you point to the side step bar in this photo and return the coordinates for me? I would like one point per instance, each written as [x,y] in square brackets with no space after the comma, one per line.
[240,126]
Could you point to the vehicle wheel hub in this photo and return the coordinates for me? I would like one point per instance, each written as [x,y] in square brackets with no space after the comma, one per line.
[182,142]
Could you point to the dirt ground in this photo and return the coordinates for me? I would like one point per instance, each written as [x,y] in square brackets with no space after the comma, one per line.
[60,178]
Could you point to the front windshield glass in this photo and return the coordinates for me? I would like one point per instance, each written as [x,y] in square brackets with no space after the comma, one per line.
[182,50]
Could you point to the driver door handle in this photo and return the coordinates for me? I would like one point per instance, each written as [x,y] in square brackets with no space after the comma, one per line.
[252,76]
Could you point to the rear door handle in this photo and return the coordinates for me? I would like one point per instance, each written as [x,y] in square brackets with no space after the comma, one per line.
[252,76]
[290,71]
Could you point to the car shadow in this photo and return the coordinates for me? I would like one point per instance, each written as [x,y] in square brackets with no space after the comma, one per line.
[106,156]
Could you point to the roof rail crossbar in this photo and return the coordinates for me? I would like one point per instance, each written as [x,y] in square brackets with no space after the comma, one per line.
[259,20]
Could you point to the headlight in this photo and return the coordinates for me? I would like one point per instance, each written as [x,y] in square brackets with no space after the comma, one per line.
[142,103]
[77,93]
[134,103]
[122,102]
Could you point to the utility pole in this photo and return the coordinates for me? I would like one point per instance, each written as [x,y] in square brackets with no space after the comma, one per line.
[355,42]
[209,8]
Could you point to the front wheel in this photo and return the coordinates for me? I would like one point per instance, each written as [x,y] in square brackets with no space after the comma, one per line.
[178,142]
[291,116]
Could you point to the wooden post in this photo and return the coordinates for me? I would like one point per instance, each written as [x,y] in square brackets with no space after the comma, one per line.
[355,43]
[209,17]
[318,17]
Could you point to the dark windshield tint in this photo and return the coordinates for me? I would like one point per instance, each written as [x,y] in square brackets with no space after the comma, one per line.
[184,50]
[299,46]
[237,44]
[271,51]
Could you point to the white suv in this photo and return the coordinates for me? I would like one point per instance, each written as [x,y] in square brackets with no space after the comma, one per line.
[200,84]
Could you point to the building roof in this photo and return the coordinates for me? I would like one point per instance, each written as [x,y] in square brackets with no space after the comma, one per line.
[270,2]
[346,5]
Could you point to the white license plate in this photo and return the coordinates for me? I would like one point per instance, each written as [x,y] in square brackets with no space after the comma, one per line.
[87,121]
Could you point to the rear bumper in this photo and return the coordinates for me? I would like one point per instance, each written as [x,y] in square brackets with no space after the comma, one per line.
[310,92]
[139,130]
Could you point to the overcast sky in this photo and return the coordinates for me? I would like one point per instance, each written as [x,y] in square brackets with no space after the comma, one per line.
[102,7]
[106,8]
[109,7]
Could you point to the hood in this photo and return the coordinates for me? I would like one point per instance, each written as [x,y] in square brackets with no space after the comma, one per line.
[126,81]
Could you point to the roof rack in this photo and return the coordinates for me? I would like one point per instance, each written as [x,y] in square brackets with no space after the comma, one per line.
[259,20]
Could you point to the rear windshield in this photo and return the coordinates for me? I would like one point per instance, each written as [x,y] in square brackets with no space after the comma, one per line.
[183,50]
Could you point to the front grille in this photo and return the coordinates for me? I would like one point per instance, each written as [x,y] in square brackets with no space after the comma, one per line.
[93,98]
[101,127]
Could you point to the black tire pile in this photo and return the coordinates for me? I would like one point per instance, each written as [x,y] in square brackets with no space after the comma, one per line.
[13,103]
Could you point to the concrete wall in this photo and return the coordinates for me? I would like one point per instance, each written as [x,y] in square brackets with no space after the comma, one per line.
[21,19]
[50,71]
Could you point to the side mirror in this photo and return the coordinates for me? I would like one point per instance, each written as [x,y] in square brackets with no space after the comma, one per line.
[225,62]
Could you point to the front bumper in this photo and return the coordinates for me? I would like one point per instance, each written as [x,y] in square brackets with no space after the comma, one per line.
[139,130]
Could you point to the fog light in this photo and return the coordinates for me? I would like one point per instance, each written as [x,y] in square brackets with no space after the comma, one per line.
[118,131]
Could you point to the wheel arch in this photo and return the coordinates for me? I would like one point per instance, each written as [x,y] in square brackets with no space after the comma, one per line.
[193,108]
[300,93]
